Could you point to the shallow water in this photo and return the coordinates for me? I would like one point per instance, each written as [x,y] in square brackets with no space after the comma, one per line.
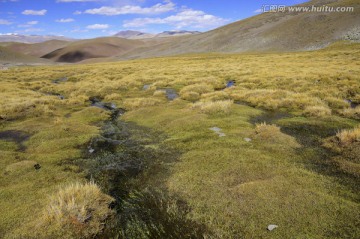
[19,137]
[171,94]
[146,87]
[230,84]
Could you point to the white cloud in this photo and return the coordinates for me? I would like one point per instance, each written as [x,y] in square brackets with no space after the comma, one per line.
[185,18]
[28,24]
[98,26]
[77,12]
[65,20]
[34,12]
[79,30]
[32,23]
[131,9]
[5,22]
[258,11]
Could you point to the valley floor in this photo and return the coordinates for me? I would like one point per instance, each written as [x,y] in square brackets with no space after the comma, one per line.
[190,156]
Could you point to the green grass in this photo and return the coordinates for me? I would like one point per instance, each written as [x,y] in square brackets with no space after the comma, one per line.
[236,188]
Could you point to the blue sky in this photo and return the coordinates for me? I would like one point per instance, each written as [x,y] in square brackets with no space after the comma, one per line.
[92,18]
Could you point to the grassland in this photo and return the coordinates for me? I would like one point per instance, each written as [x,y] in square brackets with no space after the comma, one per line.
[299,171]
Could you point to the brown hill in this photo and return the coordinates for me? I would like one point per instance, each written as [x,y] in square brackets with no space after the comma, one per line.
[37,49]
[8,57]
[288,31]
[93,48]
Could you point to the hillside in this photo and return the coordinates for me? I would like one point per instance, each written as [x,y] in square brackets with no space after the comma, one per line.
[37,49]
[93,48]
[8,57]
[288,31]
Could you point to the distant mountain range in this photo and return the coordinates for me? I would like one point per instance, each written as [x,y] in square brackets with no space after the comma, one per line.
[142,35]
[30,38]
[123,34]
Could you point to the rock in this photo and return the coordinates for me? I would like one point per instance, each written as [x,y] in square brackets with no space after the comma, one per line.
[272,227]
[247,139]
[215,129]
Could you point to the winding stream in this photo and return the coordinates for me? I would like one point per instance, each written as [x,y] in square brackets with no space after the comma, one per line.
[131,163]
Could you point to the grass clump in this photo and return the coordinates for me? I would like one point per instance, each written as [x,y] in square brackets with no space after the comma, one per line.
[135,103]
[76,211]
[353,113]
[215,96]
[193,92]
[317,111]
[159,93]
[347,144]
[214,107]
[190,96]
[348,137]
[271,133]
[266,131]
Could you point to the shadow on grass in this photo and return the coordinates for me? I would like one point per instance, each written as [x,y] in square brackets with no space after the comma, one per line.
[310,133]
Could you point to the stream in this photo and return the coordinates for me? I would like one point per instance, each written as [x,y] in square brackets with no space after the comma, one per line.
[131,163]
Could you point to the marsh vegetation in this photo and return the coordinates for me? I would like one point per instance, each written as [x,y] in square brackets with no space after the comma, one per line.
[117,159]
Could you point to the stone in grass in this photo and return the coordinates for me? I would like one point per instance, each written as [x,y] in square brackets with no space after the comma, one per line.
[272,227]
[215,129]
[247,139]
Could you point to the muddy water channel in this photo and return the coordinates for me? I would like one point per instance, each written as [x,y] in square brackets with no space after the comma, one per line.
[131,163]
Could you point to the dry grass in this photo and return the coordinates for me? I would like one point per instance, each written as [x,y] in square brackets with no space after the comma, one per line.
[159,93]
[193,92]
[78,210]
[19,108]
[215,96]
[136,103]
[353,113]
[317,111]
[271,133]
[266,131]
[190,96]
[214,107]
[348,137]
